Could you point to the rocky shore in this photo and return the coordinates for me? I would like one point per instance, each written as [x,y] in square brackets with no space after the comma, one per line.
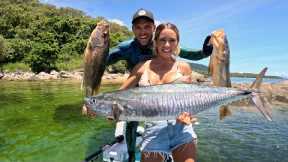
[62,75]
[74,75]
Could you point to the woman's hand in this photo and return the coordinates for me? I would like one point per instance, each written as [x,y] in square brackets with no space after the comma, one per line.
[186,79]
[186,119]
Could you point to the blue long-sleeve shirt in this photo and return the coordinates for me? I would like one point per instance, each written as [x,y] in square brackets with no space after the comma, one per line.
[133,53]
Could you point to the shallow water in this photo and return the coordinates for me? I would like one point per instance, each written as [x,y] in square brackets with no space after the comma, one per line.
[244,136]
[41,121]
[251,80]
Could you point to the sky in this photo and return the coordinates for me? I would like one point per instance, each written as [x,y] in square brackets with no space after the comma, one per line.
[256,29]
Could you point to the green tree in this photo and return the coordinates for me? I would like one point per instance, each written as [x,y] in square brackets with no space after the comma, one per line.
[3,49]
[42,57]
[118,67]
[42,34]
[17,49]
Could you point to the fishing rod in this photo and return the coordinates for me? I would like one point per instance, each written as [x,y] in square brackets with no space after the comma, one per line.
[96,154]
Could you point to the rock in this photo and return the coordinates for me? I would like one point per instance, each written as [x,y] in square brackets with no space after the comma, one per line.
[33,78]
[77,75]
[27,75]
[54,72]
[43,76]
[1,75]
[197,77]
[65,75]
[14,76]
[283,99]
[284,82]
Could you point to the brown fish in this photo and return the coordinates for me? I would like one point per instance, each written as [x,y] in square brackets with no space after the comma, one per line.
[96,52]
[219,65]
[219,60]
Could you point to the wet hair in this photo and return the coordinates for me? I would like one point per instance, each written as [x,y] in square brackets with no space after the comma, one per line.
[160,28]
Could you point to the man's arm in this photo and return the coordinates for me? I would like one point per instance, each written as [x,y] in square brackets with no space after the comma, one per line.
[197,54]
[118,53]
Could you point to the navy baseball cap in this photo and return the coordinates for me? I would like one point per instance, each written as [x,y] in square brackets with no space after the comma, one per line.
[142,13]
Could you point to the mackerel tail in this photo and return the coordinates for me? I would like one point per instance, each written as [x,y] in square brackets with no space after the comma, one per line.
[166,102]
[257,99]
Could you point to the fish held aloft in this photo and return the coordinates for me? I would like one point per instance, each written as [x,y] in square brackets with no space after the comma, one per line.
[95,55]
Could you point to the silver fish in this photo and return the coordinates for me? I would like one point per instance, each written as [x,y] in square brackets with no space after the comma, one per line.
[95,54]
[167,101]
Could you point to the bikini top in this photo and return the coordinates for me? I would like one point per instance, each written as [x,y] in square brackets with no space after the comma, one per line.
[145,80]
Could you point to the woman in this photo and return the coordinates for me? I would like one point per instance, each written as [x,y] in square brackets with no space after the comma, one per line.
[164,137]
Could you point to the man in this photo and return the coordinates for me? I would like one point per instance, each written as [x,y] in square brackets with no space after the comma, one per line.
[141,49]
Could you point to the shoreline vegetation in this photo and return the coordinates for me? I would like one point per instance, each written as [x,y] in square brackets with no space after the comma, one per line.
[40,37]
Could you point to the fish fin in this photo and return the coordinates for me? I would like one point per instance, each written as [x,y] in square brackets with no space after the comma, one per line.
[259,78]
[224,111]
[259,101]
[262,105]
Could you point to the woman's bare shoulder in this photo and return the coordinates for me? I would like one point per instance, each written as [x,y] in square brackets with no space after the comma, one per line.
[184,67]
[139,68]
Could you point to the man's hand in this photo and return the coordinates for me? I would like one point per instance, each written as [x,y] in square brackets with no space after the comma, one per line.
[186,119]
[207,47]
[88,112]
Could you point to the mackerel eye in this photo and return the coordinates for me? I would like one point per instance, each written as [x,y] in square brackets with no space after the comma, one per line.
[93,101]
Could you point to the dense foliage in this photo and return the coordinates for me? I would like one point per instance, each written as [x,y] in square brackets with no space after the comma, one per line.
[44,37]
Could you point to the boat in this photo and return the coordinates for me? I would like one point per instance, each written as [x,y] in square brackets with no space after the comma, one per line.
[116,151]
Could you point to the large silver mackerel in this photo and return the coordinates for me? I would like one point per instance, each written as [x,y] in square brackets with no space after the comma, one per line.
[167,101]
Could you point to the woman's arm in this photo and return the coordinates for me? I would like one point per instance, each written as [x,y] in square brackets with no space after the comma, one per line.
[185,69]
[134,76]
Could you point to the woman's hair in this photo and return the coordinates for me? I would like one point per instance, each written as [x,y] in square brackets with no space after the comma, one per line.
[160,28]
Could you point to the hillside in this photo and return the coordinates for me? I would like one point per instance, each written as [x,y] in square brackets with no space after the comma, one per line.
[44,37]
[203,69]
